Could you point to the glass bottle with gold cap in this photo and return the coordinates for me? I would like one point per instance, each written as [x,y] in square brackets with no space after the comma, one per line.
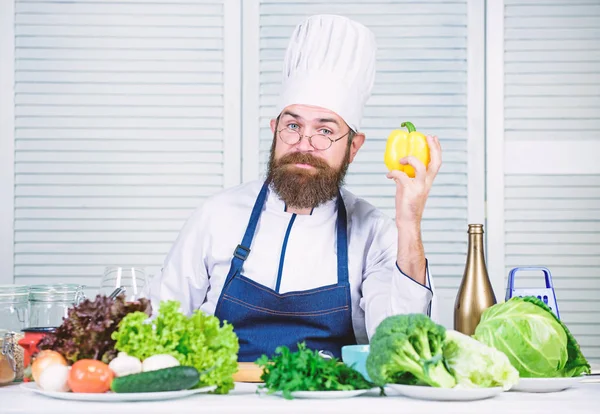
[475,293]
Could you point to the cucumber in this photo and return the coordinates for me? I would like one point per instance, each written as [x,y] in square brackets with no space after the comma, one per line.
[167,379]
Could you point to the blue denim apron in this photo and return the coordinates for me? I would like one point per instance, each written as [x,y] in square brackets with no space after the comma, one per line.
[264,319]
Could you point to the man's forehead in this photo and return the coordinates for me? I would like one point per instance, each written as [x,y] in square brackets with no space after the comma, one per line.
[308,113]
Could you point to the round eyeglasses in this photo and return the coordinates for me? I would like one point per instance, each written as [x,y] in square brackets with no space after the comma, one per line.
[317,141]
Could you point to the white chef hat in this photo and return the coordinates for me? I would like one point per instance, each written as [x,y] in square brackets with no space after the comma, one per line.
[330,63]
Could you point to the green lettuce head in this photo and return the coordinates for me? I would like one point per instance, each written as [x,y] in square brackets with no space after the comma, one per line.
[198,340]
[476,365]
[535,341]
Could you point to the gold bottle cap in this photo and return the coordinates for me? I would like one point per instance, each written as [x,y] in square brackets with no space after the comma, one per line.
[475,229]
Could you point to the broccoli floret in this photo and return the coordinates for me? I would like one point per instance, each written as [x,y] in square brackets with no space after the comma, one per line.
[408,349]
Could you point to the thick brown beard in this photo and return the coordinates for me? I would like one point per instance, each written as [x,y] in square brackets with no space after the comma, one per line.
[302,188]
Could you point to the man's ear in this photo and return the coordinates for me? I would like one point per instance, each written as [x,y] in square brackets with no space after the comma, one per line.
[357,142]
[273,125]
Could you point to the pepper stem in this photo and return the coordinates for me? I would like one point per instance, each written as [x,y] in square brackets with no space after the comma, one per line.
[409,126]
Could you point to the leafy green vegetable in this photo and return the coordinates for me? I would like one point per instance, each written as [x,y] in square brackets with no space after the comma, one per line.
[408,349]
[86,331]
[476,365]
[306,370]
[198,341]
[535,341]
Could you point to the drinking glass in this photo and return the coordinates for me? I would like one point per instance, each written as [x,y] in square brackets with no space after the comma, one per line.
[132,278]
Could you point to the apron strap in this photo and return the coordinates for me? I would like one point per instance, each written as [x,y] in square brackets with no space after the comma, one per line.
[342,242]
[243,249]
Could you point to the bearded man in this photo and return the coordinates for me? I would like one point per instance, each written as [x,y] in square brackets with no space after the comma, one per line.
[296,257]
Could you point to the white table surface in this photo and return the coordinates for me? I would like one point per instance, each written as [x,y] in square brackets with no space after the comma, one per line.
[583,398]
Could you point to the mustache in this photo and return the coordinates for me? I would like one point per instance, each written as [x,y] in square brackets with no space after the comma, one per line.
[302,158]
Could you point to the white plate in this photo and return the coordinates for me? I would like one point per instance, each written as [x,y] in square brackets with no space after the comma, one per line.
[545,384]
[325,395]
[444,394]
[116,397]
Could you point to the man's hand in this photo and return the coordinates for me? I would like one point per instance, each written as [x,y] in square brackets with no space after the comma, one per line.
[411,197]
[412,193]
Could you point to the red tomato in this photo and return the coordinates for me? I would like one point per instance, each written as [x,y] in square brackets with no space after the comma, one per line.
[91,376]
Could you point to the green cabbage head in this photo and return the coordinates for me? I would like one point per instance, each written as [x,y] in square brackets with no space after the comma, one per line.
[535,341]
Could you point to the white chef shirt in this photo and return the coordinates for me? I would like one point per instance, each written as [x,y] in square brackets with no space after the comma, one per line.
[195,269]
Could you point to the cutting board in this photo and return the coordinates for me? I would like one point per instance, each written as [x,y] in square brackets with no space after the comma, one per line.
[247,372]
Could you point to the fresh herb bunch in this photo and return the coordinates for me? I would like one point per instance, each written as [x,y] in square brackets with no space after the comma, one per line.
[306,370]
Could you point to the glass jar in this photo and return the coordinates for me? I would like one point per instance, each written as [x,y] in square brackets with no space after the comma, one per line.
[14,307]
[11,357]
[14,316]
[49,304]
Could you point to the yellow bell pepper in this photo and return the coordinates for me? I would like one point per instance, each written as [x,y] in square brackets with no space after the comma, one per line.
[402,144]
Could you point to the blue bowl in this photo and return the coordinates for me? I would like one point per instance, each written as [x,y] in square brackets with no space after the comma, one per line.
[356,356]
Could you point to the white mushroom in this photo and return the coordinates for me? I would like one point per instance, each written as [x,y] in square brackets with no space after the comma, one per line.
[125,364]
[160,361]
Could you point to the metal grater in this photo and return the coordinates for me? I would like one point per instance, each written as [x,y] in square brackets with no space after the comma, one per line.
[546,295]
